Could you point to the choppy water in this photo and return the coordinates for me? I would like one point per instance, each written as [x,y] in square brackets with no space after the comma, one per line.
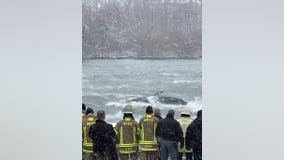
[108,84]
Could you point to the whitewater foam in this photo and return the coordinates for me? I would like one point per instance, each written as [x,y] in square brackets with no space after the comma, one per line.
[184,81]
[169,74]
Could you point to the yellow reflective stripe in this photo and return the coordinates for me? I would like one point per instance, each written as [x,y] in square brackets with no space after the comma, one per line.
[142,132]
[127,151]
[184,150]
[87,151]
[134,134]
[184,121]
[127,148]
[88,144]
[85,134]
[188,151]
[121,135]
[149,149]
[116,131]
[184,118]
[127,145]
[88,147]
[155,127]
[90,123]
[148,115]
[90,119]
[148,142]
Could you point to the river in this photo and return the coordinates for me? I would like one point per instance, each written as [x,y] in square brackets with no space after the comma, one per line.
[109,84]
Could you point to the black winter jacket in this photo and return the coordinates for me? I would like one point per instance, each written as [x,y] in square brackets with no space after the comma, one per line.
[193,138]
[102,135]
[170,129]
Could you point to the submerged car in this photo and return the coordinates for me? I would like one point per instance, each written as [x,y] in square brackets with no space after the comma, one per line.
[171,100]
[160,98]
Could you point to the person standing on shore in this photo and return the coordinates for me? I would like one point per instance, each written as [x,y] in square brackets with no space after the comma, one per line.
[168,134]
[127,135]
[88,120]
[193,138]
[157,114]
[148,142]
[102,135]
[184,121]
[83,115]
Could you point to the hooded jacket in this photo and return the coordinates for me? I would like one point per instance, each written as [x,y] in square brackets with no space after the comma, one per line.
[193,138]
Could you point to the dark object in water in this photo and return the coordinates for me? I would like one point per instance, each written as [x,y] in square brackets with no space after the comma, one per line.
[171,100]
[161,98]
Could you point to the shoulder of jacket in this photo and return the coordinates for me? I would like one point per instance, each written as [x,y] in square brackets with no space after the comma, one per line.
[161,121]
[192,124]
[109,125]
[141,119]
[133,121]
[120,122]
[155,118]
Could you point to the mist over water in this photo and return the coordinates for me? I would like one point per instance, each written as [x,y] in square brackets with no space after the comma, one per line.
[108,84]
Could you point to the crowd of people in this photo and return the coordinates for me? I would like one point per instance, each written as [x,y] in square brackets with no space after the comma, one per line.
[150,138]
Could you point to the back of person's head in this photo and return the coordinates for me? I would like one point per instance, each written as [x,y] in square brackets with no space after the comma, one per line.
[149,110]
[171,113]
[128,115]
[89,111]
[193,109]
[157,112]
[83,107]
[199,113]
[101,115]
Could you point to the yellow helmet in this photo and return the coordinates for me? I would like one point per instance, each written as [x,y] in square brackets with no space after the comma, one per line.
[185,112]
[127,109]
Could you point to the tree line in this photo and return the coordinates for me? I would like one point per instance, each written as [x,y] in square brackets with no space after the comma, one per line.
[142,28]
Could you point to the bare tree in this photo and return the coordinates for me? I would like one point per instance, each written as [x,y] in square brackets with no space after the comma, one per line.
[142,28]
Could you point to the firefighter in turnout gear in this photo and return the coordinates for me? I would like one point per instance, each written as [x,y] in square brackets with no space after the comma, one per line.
[148,142]
[88,120]
[127,135]
[184,121]
[83,116]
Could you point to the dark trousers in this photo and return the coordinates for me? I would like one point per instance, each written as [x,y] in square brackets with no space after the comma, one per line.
[197,154]
[168,148]
[108,155]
